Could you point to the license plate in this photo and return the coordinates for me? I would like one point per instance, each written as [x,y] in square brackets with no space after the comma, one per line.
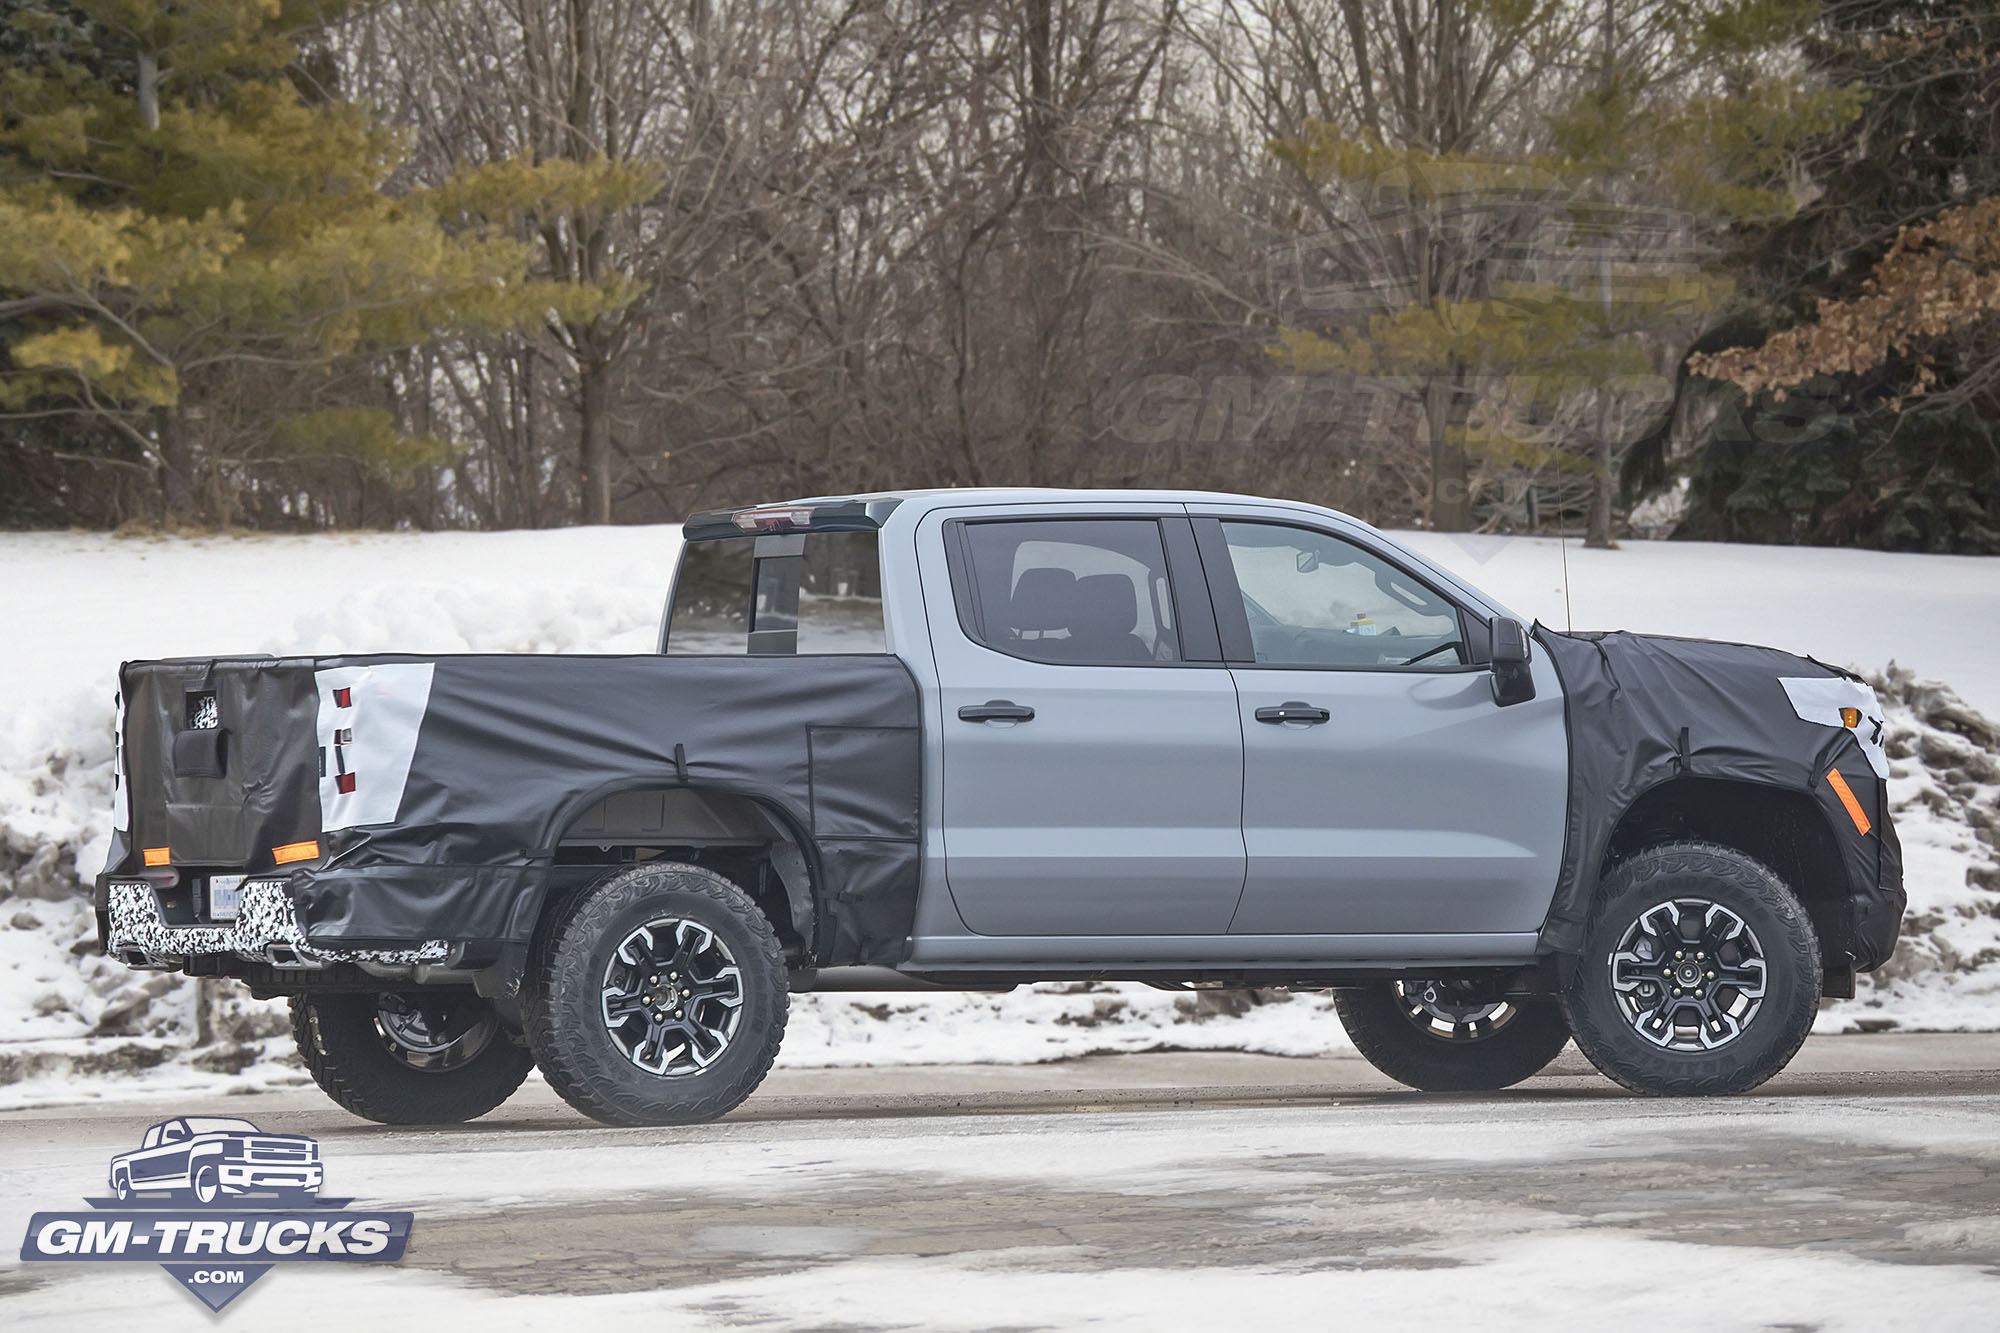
[225,896]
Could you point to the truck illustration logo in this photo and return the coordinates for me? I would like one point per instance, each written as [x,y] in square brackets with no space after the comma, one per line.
[207,1158]
[217,1202]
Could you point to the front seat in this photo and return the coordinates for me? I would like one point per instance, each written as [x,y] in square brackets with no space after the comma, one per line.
[1041,605]
[1104,614]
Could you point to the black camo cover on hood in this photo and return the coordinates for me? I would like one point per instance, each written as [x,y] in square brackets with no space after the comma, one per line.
[1643,710]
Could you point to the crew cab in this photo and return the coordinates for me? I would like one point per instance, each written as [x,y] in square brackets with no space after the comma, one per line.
[212,1156]
[981,738]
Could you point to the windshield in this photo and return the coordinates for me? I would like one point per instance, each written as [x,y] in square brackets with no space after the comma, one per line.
[210,1124]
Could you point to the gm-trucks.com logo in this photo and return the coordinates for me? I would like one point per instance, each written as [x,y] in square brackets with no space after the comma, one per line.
[217,1203]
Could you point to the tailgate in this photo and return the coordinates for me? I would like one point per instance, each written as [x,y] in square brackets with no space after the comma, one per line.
[221,759]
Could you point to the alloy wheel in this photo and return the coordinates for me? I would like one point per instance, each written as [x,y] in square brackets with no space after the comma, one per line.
[1689,975]
[672,997]
[434,1033]
[1455,1010]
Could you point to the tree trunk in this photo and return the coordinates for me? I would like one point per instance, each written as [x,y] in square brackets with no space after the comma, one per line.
[594,438]
[1597,532]
[1451,485]
[149,90]
[176,467]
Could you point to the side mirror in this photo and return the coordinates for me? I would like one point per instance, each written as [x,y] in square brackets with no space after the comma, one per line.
[1513,681]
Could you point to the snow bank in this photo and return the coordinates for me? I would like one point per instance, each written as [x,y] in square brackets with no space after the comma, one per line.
[77,604]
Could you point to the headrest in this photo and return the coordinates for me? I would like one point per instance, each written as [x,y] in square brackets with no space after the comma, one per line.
[1042,600]
[1104,605]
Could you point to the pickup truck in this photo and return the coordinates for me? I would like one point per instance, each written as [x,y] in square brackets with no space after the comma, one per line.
[977,738]
[208,1157]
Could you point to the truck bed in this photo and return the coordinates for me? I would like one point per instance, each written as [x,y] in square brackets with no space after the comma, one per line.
[405,799]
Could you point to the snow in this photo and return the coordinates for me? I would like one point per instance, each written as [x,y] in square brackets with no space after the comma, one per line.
[1936,615]
[77,604]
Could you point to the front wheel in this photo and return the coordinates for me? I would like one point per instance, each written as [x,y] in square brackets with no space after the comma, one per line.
[658,998]
[1451,1035]
[1699,976]
[422,1058]
[207,1185]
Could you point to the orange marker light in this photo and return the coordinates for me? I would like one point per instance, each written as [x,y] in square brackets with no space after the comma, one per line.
[1846,795]
[1850,717]
[295,851]
[156,856]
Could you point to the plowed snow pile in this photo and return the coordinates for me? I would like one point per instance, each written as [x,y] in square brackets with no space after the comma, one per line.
[74,1026]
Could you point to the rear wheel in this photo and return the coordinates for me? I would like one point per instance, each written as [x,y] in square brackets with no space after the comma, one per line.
[658,998]
[1700,974]
[1452,1034]
[421,1058]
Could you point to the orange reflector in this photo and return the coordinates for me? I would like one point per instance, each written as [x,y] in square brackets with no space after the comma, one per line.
[1846,795]
[156,856]
[1850,717]
[295,851]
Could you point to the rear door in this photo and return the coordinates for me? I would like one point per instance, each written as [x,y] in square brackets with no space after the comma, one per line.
[1385,792]
[1092,756]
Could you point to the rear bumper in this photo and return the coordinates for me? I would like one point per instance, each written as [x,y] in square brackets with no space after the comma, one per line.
[266,930]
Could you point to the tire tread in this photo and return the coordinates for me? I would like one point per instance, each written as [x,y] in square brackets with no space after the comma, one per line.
[1603,1038]
[550,998]
[329,1032]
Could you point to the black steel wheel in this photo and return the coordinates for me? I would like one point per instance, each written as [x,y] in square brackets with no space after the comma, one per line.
[658,997]
[409,1058]
[1700,974]
[1452,1034]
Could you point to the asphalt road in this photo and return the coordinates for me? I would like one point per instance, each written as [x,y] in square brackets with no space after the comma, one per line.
[1860,1189]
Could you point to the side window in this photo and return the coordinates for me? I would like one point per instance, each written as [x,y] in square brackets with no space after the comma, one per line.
[811,592]
[1072,590]
[1315,600]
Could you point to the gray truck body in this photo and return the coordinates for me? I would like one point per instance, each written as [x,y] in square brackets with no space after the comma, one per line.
[1205,788]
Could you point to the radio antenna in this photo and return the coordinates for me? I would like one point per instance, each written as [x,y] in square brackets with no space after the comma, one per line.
[1562,543]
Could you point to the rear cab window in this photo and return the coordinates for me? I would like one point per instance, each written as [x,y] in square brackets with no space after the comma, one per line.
[1082,591]
[778,594]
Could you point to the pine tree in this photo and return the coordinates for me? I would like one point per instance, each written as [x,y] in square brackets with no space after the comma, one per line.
[195,241]
[1859,397]
[1521,273]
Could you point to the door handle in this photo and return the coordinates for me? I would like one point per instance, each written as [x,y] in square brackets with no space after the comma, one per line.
[996,710]
[1293,711]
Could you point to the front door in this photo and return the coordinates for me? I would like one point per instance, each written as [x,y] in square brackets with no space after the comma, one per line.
[1385,792]
[1093,775]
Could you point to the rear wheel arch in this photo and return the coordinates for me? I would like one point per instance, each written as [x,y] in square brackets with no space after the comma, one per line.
[1784,830]
[738,835]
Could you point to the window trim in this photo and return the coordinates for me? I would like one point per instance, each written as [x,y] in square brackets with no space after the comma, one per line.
[1234,625]
[1194,618]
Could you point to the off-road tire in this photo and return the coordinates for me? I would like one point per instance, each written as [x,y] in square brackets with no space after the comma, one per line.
[1772,1035]
[1375,1021]
[348,1058]
[561,997]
